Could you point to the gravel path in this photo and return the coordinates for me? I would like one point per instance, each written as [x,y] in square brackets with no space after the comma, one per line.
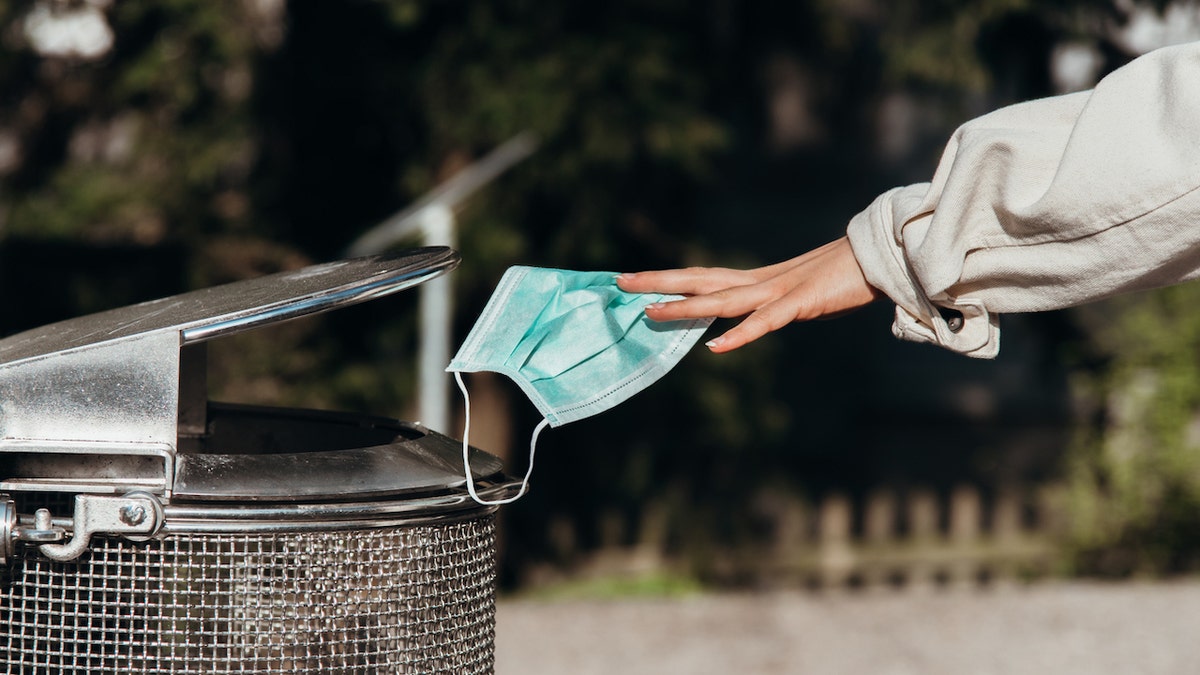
[1055,628]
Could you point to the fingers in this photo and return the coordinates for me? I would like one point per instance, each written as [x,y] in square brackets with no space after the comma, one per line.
[824,282]
[710,291]
[770,317]
[724,293]
[725,303]
[700,280]
[687,281]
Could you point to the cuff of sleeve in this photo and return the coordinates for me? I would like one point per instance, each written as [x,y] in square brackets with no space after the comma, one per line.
[875,237]
[979,336]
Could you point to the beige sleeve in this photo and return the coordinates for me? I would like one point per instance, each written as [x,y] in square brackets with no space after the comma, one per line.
[1046,204]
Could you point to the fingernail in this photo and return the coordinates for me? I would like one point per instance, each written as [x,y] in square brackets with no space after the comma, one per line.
[624,276]
[715,342]
[655,305]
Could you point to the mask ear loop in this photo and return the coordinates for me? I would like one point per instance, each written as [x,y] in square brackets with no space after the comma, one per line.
[467,451]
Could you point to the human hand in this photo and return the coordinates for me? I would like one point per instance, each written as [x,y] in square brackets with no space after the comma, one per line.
[822,283]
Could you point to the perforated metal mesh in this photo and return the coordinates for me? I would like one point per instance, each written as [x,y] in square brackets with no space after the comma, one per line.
[414,599]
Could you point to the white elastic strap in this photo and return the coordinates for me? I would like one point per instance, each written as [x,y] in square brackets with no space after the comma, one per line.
[467,450]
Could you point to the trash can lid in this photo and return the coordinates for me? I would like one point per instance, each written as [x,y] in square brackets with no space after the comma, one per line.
[230,308]
[110,383]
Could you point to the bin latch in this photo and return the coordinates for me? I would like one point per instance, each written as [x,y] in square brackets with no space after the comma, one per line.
[137,515]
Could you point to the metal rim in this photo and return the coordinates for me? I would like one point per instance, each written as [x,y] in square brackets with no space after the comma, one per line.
[274,518]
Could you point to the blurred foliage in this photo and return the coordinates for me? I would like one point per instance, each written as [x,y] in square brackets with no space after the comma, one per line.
[223,139]
[1134,477]
[657,585]
[154,141]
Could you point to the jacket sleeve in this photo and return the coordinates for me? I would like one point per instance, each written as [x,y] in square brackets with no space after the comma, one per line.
[1046,204]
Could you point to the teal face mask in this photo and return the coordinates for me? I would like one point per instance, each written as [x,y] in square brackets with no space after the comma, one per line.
[575,343]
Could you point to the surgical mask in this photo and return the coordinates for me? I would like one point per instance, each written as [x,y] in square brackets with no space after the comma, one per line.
[574,342]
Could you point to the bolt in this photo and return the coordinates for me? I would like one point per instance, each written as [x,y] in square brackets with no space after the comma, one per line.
[133,514]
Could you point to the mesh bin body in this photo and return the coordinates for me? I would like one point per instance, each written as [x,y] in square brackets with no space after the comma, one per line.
[146,529]
[406,599]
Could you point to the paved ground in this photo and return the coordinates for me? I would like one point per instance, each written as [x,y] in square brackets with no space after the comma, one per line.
[1046,628]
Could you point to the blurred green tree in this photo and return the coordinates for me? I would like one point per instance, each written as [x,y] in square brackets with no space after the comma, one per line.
[1134,475]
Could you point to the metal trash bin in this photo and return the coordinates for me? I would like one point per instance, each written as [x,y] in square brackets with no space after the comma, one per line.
[144,529]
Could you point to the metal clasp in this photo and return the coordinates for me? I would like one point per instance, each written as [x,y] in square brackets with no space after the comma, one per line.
[137,515]
[42,531]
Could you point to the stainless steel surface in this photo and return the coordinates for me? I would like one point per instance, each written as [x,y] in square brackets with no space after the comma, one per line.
[43,531]
[113,399]
[274,454]
[277,518]
[133,514]
[8,524]
[144,529]
[110,383]
[229,308]
[260,454]
[414,599]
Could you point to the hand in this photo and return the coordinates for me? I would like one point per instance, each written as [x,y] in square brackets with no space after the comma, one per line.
[822,283]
